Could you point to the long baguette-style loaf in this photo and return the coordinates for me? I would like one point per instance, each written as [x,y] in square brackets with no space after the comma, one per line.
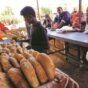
[29,73]
[47,64]
[5,63]
[0,68]
[26,55]
[17,78]
[4,81]
[14,62]
[39,70]
[35,53]
[19,57]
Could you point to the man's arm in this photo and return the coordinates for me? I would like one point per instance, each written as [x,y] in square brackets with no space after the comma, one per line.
[61,23]
[65,18]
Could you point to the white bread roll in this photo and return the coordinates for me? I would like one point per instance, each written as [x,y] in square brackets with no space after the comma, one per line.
[19,49]
[5,63]
[47,64]
[17,78]
[26,55]
[14,62]
[4,83]
[13,49]
[0,68]
[39,70]
[29,72]
[18,57]
[35,53]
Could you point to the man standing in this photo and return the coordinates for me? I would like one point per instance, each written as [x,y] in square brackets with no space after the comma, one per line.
[36,32]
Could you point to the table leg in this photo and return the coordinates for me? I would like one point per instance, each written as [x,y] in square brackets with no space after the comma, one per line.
[66,50]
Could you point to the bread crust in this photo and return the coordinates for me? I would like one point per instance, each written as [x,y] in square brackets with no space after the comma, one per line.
[4,81]
[29,73]
[47,64]
[39,70]
[18,57]
[5,63]
[14,62]
[17,78]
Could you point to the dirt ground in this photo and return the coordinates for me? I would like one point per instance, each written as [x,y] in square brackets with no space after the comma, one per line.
[74,71]
[71,68]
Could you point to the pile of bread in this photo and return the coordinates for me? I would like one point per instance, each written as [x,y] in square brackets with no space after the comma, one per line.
[22,68]
[16,34]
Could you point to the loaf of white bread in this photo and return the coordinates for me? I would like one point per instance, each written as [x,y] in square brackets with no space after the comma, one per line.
[40,72]
[5,63]
[29,73]
[17,78]
[4,83]
[47,64]
[14,62]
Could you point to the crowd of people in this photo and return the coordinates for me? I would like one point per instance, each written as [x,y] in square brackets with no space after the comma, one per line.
[64,18]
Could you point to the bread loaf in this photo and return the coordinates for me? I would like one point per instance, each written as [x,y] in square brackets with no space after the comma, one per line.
[4,54]
[9,45]
[13,49]
[35,53]
[39,70]
[4,45]
[29,73]
[14,62]
[19,49]
[3,81]
[26,55]
[6,50]
[5,63]
[19,57]
[47,64]
[0,68]
[17,78]
[13,43]
[30,51]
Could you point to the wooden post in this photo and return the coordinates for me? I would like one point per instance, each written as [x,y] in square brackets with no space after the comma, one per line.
[86,28]
[38,9]
[87,15]
[80,9]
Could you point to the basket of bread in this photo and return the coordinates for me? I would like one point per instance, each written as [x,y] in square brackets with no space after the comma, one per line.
[22,68]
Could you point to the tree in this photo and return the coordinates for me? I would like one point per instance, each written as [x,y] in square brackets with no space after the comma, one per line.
[8,17]
[45,10]
[8,11]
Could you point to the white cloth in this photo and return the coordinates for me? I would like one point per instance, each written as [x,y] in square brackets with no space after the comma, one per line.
[86,29]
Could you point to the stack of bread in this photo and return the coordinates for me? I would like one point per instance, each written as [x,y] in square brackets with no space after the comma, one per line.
[22,68]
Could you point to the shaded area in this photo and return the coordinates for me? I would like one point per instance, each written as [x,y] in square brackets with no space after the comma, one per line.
[78,74]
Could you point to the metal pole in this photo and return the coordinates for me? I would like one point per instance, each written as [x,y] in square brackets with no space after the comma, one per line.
[38,9]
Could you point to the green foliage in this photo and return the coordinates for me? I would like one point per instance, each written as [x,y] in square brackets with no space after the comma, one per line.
[8,17]
[8,11]
[45,10]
